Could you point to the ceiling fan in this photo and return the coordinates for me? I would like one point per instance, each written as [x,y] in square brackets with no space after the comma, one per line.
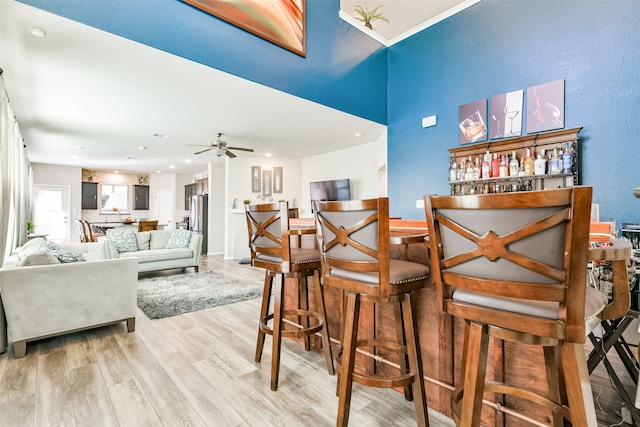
[220,147]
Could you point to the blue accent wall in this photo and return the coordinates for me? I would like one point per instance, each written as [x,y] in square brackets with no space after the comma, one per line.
[500,46]
[343,69]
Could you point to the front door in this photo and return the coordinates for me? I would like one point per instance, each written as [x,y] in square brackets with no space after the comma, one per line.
[163,206]
[51,212]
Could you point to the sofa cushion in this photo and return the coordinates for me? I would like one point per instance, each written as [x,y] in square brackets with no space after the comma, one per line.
[144,238]
[124,241]
[155,255]
[159,239]
[179,239]
[38,258]
[65,256]
[32,247]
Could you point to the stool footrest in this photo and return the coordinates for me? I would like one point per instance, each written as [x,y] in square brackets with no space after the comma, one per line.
[300,331]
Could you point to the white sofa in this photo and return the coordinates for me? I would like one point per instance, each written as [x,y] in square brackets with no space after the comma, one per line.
[43,300]
[157,249]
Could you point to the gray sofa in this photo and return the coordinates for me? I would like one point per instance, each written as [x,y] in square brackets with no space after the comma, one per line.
[44,297]
[157,249]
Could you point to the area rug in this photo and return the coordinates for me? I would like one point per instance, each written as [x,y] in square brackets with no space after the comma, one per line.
[167,296]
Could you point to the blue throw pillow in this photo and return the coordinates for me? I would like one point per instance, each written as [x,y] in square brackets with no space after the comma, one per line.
[65,256]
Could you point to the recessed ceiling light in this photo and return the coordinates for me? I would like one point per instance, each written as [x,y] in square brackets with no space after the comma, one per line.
[80,147]
[75,156]
[141,148]
[38,32]
[157,171]
[269,155]
[116,171]
[357,134]
[160,135]
[187,160]
[172,167]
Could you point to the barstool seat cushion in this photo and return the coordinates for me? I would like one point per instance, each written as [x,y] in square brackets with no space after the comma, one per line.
[595,301]
[298,256]
[399,272]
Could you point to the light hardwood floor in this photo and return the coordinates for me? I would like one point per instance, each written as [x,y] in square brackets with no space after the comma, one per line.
[195,369]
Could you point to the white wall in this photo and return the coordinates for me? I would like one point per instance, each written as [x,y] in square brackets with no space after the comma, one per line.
[364,165]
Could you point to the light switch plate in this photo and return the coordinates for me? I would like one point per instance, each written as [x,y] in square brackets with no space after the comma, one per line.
[420,204]
[429,121]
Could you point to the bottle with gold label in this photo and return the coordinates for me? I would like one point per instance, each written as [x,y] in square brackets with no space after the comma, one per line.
[528,164]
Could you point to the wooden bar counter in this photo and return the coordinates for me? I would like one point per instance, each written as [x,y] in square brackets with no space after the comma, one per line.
[440,338]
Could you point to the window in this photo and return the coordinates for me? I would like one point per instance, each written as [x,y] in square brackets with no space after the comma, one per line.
[115,197]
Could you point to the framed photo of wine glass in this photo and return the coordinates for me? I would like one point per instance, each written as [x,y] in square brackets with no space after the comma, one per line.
[506,115]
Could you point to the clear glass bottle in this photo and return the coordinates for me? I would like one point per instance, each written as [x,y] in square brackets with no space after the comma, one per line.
[468,170]
[567,159]
[513,164]
[477,169]
[461,171]
[521,169]
[555,162]
[453,170]
[504,169]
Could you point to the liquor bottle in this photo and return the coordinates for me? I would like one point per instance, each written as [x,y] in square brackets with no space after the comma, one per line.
[539,165]
[453,171]
[495,166]
[567,159]
[546,161]
[513,164]
[504,169]
[486,165]
[477,169]
[554,163]
[528,164]
[468,170]
[521,168]
[461,171]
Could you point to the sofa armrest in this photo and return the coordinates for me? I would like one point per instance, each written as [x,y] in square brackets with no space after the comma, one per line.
[109,247]
[195,244]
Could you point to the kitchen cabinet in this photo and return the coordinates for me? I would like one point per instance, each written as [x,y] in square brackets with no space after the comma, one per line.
[141,197]
[548,142]
[189,191]
[202,186]
[89,195]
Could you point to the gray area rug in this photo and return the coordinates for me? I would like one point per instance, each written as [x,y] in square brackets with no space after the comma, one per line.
[167,296]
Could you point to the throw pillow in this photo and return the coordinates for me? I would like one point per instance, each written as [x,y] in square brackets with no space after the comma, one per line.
[65,256]
[37,247]
[38,258]
[179,239]
[124,241]
[143,238]
[53,246]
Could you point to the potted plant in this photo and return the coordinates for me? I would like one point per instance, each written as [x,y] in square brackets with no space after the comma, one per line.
[368,16]
[30,227]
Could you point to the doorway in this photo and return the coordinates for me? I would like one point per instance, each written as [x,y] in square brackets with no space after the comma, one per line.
[163,207]
[51,207]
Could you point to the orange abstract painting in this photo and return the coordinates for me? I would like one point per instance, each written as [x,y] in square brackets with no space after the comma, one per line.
[280,21]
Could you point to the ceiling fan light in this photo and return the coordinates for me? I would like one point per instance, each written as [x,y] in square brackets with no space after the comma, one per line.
[218,151]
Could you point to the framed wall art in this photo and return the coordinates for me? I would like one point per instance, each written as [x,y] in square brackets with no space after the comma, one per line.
[256,183]
[506,114]
[277,179]
[281,22]
[545,107]
[473,119]
[266,183]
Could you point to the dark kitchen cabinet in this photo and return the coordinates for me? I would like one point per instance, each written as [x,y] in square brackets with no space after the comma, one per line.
[89,195]
[141,197]
[189,191]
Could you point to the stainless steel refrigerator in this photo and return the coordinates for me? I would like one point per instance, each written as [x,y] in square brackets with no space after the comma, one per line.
[198,217]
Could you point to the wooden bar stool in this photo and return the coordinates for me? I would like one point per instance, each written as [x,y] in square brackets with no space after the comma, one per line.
[269,241]
[353,237]
[513,266]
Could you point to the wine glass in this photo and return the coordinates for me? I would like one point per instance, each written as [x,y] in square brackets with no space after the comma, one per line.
[511,115]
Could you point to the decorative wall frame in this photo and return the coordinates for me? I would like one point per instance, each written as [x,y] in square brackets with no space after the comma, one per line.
[473,119]
[545,107]
[256,183]
[282,22]
[277,179]
[266,183]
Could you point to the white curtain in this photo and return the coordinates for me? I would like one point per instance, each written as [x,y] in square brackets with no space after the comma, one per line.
[15,170]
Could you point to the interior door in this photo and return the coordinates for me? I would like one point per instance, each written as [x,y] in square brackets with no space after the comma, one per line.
[163,208]
[51,207]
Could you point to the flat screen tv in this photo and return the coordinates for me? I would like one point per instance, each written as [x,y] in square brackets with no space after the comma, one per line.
[337,189]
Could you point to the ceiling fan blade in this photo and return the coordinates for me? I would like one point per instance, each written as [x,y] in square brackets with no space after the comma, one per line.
[199,145]
[241,149]
[203,151]
[229,153]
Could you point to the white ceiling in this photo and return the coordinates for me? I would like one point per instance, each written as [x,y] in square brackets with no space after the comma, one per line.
[88,98]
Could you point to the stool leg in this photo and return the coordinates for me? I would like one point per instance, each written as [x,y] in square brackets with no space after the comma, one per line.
[555,381]
[351,320]
[475,372]
[415,360]
[400,337]
[338,349]
[278,296]
[326,344]
[303,304]
[264,311]
[576,377]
